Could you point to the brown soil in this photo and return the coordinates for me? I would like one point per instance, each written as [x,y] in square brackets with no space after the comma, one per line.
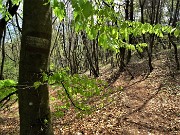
[147,104]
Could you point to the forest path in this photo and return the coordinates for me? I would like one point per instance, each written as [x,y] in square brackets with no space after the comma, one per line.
[147,105]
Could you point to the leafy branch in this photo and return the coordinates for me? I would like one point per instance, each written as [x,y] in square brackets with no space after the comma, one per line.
[72,102]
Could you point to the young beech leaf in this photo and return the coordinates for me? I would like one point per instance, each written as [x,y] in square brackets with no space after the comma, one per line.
[37,84]
[172,30]
[59,10]
[16,2]
[87,9]
[177,33]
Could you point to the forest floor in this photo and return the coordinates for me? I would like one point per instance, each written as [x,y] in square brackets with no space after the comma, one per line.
[148,104]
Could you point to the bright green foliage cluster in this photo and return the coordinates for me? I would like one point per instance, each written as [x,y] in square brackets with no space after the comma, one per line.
[73,90]
[103,21]
[7,87]
[4,11]
[16,2]
[58,8]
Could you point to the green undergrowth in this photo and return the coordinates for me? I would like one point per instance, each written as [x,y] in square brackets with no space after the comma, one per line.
[72,90]
[7,87]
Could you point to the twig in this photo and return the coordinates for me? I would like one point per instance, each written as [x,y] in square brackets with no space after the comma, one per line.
[70,97]
[18,23]
[8,96]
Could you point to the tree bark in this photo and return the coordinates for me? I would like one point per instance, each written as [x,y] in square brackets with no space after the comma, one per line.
[34,110]
[131,18]
[122,50]
[3,57]
[173,19]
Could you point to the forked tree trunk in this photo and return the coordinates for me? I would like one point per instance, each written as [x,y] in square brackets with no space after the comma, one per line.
[35,118]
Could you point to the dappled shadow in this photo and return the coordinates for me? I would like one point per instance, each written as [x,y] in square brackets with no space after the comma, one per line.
[125,118]
[139,68]
[114,76]
[152,127]
[142,106]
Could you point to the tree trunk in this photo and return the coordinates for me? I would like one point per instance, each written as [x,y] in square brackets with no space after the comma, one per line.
[3,57]
[95,54]
[88,56]
[175,52]
[131,18]
[12,11]
[34,107]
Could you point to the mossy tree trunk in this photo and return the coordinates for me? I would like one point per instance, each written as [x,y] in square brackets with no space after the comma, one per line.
[35,118]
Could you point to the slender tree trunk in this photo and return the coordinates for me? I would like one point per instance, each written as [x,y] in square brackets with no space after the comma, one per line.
[88,56]
[95,54]
[34,110]
[142,3]
[3,57]
[12,11]
[130,36]
[173,19]
[153,20]
[176,13]
[122,55]
[149,51]
[122,49]
[175,52]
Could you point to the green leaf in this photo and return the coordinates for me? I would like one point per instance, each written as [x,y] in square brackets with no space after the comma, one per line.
[52,98]
[145,28]
[59,10]
[130,47]
[126,34]
[143,31]
[45,77]
[7,83]
[177,33]
[143,45]
[169,29]
[91,32]
[45,121]
[87,9]
[157,26]
[59,113]
[55,3]
[160,34]
[16,2]
[37,84]
[172,30]
[102,39]
[165,28]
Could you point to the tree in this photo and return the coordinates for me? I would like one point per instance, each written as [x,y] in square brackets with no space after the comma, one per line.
[34,108]
[3,22]
[173,19]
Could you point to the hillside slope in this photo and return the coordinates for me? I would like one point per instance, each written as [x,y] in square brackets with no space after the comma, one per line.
[147,104]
